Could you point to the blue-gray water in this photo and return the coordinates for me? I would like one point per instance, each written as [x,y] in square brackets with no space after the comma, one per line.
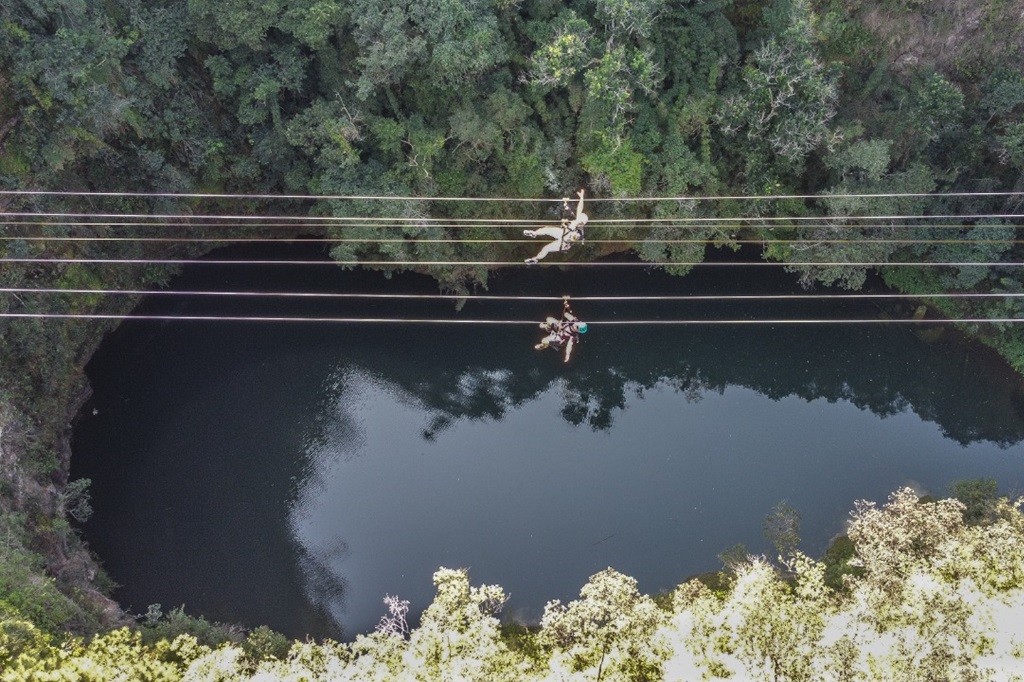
[292,475]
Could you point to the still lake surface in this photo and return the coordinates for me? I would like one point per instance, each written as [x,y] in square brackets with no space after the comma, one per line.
[294,474]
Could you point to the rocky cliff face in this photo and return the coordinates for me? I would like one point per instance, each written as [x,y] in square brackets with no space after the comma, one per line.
[51,560]
[947,34]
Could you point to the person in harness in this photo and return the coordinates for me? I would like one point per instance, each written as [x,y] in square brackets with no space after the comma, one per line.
[563,333]
[564,236]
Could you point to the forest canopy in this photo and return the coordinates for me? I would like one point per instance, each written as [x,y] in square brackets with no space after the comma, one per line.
[532,99]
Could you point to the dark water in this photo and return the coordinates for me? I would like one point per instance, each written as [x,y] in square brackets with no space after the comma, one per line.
[292,475]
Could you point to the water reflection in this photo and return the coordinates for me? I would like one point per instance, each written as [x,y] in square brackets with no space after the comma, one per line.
[513,483]
[294,475]
[884,370]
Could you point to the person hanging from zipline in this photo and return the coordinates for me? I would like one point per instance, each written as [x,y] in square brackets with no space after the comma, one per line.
[564,236]
[563,333]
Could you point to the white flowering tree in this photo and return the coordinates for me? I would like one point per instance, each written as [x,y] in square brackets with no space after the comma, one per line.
[459,637]
[937,600]
[611,628]
[932,584]
[764,628]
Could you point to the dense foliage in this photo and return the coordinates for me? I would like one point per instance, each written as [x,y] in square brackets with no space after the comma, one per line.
[520,98]
[529,98]
[516,98]
[925,596]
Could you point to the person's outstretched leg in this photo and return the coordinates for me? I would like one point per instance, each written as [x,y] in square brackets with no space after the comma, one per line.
[548,249]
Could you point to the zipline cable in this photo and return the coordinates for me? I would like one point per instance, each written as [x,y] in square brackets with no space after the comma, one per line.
[623,223]
[449,263]
[283,218]
[499,297]
[769,222]
[344,197]
[414,240]
[340,221]
[457,321]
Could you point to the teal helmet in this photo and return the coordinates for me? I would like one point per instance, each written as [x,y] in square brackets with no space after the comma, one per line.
[581,327]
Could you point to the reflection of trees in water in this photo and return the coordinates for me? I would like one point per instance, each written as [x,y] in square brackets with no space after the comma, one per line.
[884,371]
[589,397]
[476,393]
[594,398]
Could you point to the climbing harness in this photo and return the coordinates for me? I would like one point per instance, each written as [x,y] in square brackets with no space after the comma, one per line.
[564,332]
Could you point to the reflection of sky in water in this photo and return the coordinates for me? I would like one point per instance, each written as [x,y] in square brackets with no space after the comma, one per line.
[538,505]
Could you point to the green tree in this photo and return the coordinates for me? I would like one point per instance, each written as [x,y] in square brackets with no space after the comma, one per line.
[442,42]
[786,102]
[979,496]
[781,527]
[601,74]
[859,229]
[629,18]
[235,23]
